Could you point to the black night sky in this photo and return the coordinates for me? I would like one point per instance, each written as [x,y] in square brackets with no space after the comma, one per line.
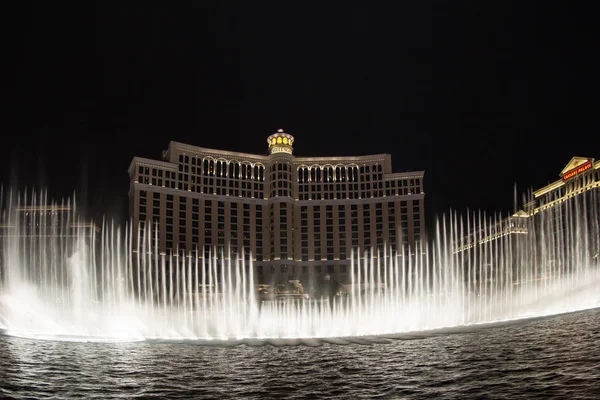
[481,96]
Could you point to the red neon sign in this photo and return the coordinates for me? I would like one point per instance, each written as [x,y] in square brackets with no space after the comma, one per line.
[577,171]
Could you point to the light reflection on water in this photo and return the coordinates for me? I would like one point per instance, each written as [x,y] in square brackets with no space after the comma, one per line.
[558,356]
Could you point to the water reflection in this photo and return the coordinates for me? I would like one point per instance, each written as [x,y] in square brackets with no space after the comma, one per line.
[540,358]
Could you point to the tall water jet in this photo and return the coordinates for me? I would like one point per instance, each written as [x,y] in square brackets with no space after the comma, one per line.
[64,277]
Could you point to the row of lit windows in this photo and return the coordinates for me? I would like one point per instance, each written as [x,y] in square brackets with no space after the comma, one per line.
[363,206]
[221,168]
[235,170]
[209,221]
[339,173]
[235,187]
[281,188]
[341,228]
[302,272]
[283,220]
[284,234]
[281,184]
[218,186]
[285,167]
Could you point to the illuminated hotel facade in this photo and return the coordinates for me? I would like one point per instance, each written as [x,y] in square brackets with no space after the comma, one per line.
[298,218]
[550,209]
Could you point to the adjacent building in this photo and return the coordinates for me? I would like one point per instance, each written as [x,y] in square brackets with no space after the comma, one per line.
[554,223]
[294,217]
[31,235]
[581,175]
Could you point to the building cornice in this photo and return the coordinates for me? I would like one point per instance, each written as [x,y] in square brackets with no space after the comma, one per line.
[590,186]
[188,148]
[254,159]
[403,175]
[556,184]
[548,188]
[146,162]
[373,158]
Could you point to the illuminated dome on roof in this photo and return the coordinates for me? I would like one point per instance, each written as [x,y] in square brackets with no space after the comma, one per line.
[280,142]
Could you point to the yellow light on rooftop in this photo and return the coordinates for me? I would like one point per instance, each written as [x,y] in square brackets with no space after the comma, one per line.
[280,142]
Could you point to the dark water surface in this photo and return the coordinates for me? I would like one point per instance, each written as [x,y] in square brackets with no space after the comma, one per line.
[556,357]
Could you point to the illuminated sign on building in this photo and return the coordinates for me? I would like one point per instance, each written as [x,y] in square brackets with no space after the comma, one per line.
[281,149]
[576,171]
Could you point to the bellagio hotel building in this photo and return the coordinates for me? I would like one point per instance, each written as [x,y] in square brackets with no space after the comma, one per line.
[296,217]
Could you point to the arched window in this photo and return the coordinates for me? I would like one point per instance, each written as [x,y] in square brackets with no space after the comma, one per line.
[181,158]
